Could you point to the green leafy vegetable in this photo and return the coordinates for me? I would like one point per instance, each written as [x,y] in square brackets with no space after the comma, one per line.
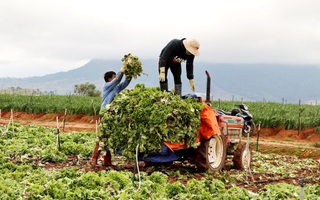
[134,66]
[158,116]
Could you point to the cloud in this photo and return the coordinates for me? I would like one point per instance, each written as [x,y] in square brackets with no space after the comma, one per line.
[51,36]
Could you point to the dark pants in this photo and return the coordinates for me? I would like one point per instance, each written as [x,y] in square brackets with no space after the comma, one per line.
[176,72]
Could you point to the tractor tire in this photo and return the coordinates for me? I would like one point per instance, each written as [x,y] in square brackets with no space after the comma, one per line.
[252,127]
[211,154]
[241,157]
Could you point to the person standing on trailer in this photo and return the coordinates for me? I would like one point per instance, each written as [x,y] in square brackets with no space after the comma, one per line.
[171,57]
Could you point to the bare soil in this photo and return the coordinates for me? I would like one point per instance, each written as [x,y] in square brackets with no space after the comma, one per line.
[304,144]
[307,141]
[68,123]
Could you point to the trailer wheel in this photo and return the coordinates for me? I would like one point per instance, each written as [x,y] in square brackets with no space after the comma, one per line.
[241,157]
[211,154]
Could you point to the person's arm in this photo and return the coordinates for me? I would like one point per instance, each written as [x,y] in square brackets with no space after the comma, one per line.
[189,68]
[116,80]
[123,84]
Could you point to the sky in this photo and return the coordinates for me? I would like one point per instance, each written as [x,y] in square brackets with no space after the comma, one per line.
[39,37]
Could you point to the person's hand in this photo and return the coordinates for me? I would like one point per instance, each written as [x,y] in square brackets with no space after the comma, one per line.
[129,77]
[162,75]
[123,68]
[193,88]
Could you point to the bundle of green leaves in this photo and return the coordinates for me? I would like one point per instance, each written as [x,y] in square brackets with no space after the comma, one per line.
[134,66]
[155,115]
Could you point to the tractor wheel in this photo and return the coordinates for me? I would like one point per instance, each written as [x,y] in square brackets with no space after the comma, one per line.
[242,156]
[211,154]
[250,128]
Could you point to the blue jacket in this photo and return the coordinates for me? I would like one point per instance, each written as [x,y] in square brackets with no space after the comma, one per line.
[110,89]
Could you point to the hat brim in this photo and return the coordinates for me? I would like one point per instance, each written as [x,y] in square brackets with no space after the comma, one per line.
[191,49]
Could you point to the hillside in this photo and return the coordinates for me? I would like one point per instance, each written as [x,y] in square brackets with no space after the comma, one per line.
[248,82]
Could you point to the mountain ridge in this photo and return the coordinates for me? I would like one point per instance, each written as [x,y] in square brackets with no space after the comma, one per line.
[247,82]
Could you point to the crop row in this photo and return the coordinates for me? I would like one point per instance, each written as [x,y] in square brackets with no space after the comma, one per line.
[265,114]
[23,174]
[272,115]
[50,104]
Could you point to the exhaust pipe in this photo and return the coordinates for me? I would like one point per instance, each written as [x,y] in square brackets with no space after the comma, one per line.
[208,101]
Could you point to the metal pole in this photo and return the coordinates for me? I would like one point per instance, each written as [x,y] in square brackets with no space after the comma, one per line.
[302,183]
[258,136]
[58,133]
[248,157]
[208,88]
[136,161]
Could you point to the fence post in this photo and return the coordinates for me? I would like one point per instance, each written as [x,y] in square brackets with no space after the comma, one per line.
[299,117]
[58,133]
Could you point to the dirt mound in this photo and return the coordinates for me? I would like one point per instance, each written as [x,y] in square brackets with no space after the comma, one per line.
[66,123]
[308,134]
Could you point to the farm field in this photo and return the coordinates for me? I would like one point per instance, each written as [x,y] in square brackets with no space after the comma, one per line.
[275,140]
[286,157]
[283,161]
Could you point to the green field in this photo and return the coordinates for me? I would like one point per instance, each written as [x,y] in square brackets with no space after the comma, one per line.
[50,104]
[23,173]
[267,114]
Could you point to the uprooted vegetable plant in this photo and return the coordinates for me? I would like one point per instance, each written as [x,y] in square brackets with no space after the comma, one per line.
[134,66]
[158,116]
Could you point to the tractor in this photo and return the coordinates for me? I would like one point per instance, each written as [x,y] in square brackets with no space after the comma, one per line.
[220,135]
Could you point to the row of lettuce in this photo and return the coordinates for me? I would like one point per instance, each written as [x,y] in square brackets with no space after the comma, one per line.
[23,174]
[266,114]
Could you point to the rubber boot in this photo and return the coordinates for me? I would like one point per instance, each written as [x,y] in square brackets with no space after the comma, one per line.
[164,86]
[107,159]
[177,89]
[95,155]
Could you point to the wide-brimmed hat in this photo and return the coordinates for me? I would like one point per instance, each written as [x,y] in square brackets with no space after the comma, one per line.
[192,46]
